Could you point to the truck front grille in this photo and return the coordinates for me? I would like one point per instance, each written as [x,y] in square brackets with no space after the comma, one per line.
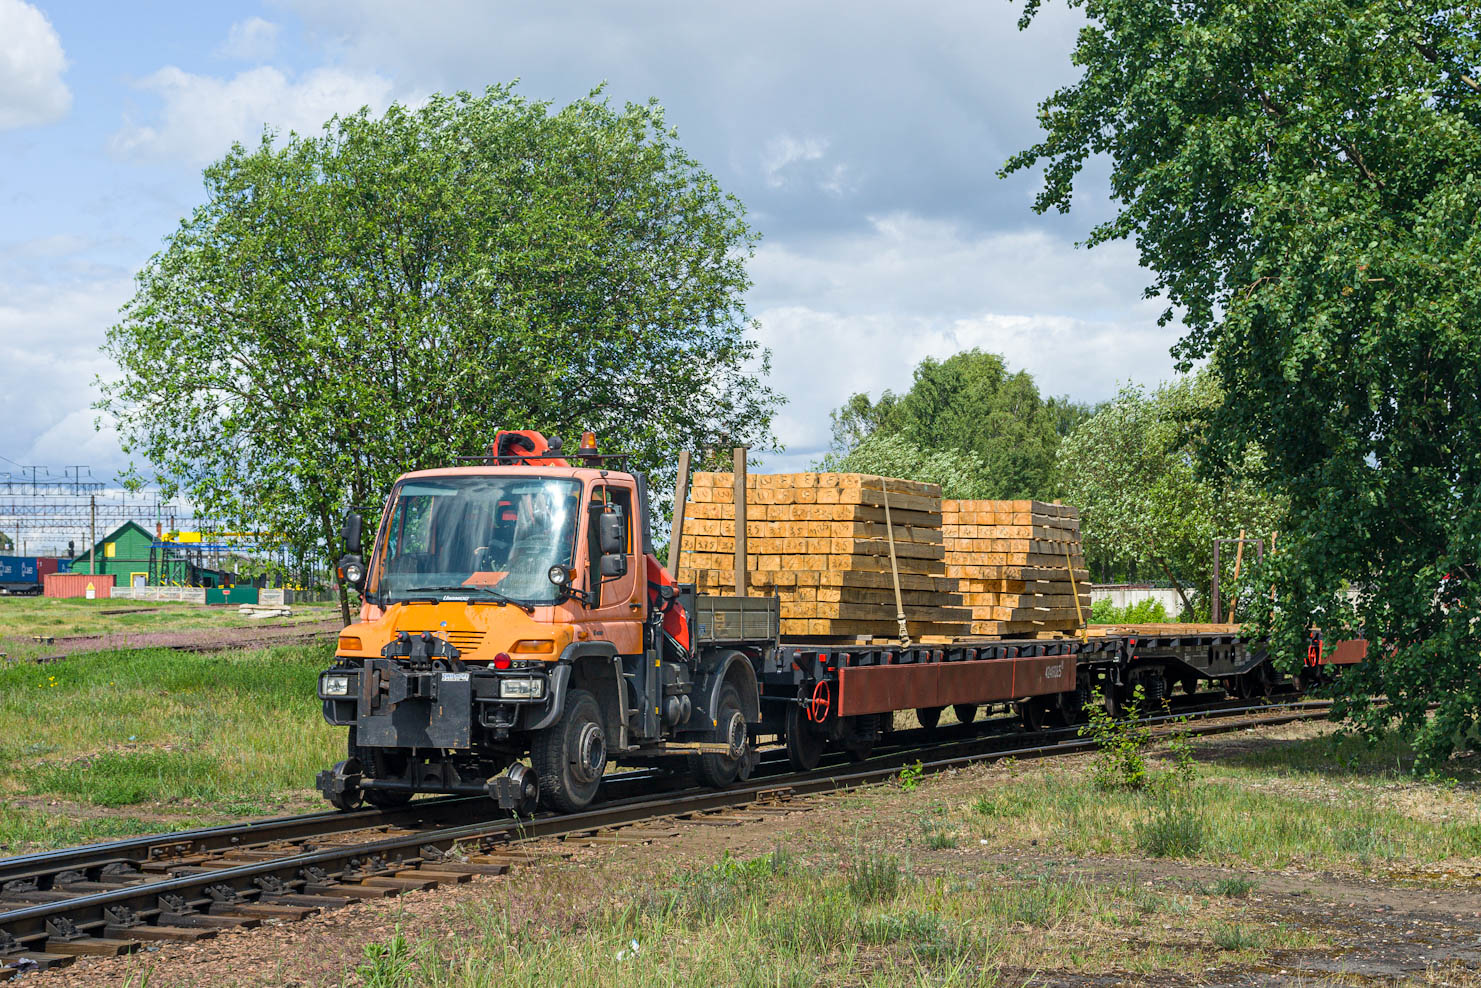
[464,641]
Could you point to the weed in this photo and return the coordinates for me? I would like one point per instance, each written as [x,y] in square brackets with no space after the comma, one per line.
[1121,761]
[387,965]
[1232,936]
[1174,830]
[875,877]
[910,776]
[1234,888]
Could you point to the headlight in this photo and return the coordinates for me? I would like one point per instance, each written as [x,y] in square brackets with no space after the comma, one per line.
[334,685]
[521,689]
[559,575]
[354,573]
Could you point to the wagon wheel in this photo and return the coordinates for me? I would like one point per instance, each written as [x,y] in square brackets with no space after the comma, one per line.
[965,712]
[864,730]
[805,741]
[928,717]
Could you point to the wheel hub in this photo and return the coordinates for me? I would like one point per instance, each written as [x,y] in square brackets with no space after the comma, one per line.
[735,735]
[591,753]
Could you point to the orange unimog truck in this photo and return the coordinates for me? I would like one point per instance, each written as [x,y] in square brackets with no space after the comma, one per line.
[513,608]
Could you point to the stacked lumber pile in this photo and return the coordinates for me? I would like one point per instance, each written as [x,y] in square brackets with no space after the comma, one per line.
[819,542]
[1013,562]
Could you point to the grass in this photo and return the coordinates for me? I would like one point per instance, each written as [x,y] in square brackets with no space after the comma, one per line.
[170,734]
[858,916]
[1270,807]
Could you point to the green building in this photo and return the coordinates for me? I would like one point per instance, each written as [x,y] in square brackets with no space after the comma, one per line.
[124,554]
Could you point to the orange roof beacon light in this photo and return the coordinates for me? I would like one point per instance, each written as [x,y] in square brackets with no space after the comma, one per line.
[588,450]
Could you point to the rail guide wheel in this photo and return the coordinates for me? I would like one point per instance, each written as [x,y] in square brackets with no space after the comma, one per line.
[341,785]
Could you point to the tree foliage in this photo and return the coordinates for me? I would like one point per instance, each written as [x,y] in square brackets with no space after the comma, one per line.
[889,454]
[383,296]
[1132,471]
[1301,178]
[969,409]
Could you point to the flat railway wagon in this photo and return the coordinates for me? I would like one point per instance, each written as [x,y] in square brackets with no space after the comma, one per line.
[513,611]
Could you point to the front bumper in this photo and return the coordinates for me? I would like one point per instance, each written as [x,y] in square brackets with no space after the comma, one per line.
[393,706]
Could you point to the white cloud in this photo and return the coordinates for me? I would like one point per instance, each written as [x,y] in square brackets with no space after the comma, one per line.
[784,151]
[857,312]
[251,40]
[202,115]
[50,336]
[31,65]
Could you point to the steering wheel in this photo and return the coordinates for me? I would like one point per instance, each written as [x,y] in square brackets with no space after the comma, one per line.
[484,555]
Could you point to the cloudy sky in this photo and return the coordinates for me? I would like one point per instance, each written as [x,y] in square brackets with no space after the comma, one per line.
[864,137]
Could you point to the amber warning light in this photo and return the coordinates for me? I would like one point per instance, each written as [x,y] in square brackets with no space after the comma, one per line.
[588,442]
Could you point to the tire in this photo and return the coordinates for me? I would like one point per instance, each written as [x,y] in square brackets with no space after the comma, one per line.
[570,756]
[929,717]
[805,743]
[375,761]
[718,771]
[965,712]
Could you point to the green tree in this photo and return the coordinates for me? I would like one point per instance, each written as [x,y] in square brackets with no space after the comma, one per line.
[889,454]
[1131,470]
[972,404]
[385,295]
[1302,179]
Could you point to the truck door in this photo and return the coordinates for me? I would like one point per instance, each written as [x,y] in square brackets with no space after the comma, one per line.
[619,616]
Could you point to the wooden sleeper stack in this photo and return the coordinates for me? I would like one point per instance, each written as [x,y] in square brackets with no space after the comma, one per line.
[819,542]
[1018,564]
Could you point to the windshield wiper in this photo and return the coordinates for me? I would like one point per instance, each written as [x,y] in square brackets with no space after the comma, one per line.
[488,592]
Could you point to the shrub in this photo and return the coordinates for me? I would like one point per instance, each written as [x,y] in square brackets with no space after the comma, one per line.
[1120,763]
[1142,612]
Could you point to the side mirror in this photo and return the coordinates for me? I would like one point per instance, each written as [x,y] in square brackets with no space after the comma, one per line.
[614,564]
[352,531]
[611,533]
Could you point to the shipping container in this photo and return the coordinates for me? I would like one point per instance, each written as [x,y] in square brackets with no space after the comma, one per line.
[75,585]
[18,575]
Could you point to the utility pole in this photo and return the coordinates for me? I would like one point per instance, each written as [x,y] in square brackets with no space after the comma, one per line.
[92,554]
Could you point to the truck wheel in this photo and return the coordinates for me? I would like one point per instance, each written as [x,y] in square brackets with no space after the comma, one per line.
[805,742]
[570,756]
[718,771]
[928,717]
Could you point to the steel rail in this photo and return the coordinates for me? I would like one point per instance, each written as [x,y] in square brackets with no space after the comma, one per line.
[442,810]
[110,913]
[43,866]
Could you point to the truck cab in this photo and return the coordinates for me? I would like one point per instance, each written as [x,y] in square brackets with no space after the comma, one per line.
[516,637]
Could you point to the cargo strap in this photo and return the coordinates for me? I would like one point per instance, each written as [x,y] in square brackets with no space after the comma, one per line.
[889,530]
[1084,632]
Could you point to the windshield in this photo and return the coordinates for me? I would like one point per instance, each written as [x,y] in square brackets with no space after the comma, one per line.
[498,534]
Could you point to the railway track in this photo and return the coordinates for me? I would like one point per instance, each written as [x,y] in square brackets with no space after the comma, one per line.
[110,899]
